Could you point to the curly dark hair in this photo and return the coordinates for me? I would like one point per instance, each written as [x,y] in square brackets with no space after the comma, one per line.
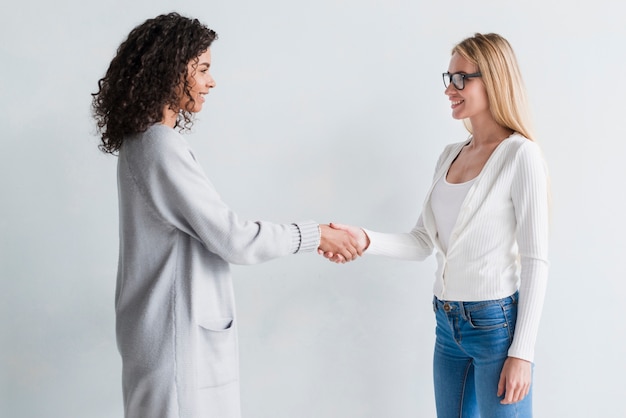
[145,75]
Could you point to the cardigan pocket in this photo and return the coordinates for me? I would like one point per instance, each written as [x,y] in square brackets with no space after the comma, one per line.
[217,351]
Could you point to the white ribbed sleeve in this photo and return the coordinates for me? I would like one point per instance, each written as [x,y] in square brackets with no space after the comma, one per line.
[530,195]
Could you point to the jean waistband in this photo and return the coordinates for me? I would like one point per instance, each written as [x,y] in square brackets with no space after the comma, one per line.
[452,306]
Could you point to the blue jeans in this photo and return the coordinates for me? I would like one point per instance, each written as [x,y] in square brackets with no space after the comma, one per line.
[472,340]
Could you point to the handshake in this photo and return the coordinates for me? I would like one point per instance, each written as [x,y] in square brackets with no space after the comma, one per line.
[342,243]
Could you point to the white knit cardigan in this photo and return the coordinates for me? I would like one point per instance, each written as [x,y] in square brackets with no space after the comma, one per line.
[500,241]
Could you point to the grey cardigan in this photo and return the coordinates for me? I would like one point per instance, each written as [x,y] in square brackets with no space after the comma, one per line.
[175,312]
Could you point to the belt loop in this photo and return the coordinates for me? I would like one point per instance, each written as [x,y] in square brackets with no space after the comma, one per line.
[435,304]
[462,309]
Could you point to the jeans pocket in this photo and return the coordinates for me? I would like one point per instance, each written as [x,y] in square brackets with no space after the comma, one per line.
[218,362]
[488,317]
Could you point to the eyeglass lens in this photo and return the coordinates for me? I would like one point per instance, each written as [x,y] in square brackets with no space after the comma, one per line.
[458,80]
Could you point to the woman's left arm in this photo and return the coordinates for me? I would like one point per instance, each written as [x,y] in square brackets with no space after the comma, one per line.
[530,195]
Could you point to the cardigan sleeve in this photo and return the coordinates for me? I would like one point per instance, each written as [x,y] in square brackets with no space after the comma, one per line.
[530,196]
[175,186]
[415,245]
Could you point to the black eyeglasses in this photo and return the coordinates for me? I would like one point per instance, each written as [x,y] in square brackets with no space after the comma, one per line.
[457,79]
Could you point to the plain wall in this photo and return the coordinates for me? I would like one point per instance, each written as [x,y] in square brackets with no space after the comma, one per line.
[328,110]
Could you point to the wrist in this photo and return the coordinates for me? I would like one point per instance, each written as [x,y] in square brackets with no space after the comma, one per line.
[367,240]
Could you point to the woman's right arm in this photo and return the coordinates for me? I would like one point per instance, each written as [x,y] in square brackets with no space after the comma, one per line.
[414,245]
[173,184]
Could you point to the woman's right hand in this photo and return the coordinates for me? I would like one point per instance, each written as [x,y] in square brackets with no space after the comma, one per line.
[362,241]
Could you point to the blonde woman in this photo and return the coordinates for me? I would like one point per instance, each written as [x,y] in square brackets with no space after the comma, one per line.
[486,215]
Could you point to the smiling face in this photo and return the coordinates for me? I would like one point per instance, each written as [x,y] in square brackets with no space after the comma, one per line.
[200,82]
[472,101]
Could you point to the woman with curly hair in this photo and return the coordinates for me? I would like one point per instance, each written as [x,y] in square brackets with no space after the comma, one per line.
[174,303]
[486,215]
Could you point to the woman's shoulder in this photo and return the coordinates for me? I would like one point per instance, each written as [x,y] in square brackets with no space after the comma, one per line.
[520,144]
[520,150]
[157,138]
[159,135]
[157,145]
[518,141]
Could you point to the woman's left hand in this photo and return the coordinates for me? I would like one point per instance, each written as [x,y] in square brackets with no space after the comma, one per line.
[515,380]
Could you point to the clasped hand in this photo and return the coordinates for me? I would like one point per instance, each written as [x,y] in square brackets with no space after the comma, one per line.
[342,243]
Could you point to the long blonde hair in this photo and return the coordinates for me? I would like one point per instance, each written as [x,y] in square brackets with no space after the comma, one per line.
[496,61]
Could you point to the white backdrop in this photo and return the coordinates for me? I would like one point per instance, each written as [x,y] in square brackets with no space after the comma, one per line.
[331,110]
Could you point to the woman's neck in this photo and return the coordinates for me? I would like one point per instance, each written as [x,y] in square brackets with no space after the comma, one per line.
[487,132]
[169,117]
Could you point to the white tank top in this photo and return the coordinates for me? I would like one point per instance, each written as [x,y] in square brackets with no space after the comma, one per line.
[446,200]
